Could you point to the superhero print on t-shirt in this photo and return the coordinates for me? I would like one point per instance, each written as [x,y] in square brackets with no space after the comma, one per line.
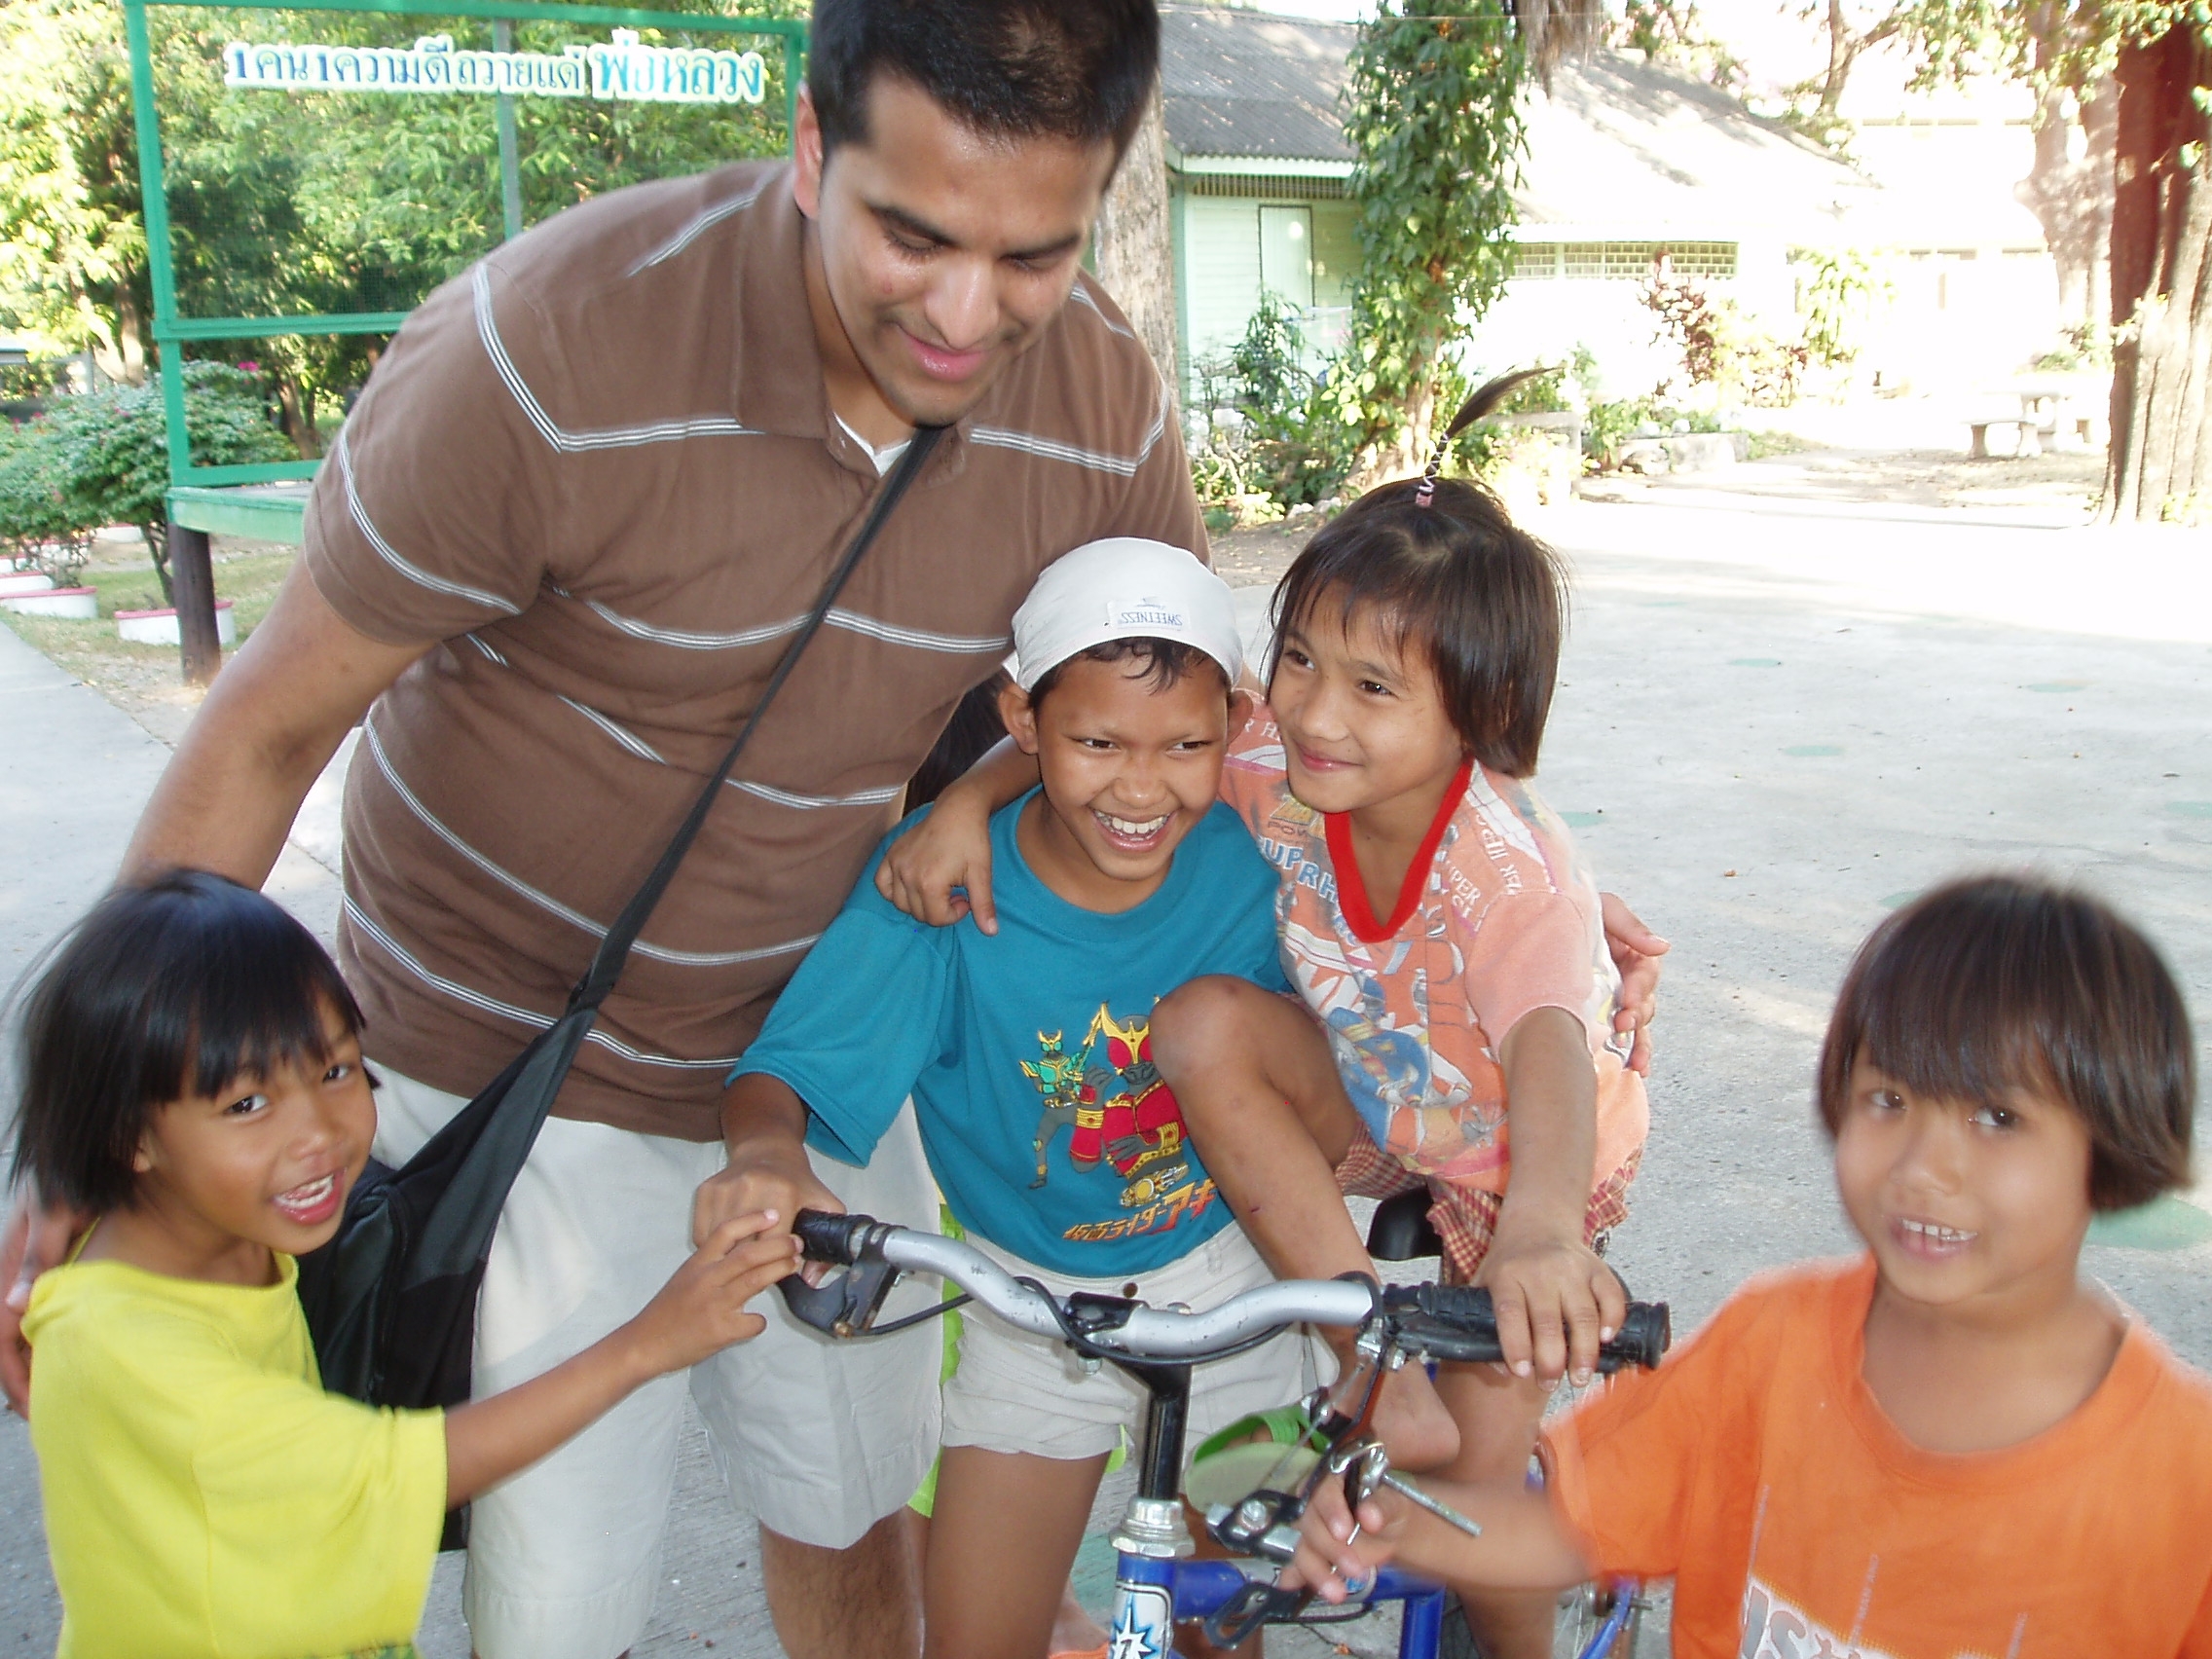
[1773,1628]
[1120,1114]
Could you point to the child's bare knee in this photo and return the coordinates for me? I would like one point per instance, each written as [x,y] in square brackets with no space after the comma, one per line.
[1195,1024]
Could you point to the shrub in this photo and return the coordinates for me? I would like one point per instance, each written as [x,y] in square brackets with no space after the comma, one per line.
[1839,296]
[113,456]
[1283,444]
[39,524]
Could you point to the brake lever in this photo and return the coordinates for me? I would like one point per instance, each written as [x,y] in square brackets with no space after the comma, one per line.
[847,1304]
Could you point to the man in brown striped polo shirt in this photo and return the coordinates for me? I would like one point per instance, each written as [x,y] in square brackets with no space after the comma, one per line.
[588,495]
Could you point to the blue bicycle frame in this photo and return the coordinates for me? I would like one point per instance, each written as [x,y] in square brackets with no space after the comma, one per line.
[1156,1584]
[1151,1593]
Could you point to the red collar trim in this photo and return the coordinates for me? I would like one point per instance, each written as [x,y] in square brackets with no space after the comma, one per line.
[1351,887]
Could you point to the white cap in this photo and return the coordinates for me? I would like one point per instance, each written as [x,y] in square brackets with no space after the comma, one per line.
[1123,588]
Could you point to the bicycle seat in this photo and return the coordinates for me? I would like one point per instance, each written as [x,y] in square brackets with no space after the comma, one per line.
[1401,1231]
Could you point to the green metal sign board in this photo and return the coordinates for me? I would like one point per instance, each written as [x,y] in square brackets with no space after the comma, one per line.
[617,66]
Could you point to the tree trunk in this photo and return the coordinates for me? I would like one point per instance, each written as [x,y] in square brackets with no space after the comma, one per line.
[2073,199]
[1134,245]
[2161,281]
[295,408]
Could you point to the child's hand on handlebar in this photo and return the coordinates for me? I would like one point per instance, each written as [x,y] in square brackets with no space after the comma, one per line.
[1555,1301]
[1335,1560]
[701,1309]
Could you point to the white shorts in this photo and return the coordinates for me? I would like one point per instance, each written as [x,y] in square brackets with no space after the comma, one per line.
[817,1439]
[1016,1393]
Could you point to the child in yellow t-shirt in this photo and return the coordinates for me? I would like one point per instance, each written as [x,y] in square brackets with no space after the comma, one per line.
[192,1078]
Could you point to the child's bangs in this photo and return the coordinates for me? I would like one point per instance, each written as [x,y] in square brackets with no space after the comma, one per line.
[1943,1014]
[260,1014]
[232,986]
[1339,579]
[1996,984]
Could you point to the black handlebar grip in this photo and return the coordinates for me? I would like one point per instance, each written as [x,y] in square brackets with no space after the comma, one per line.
[827,1237]
[1644,1334]
[1458,1321]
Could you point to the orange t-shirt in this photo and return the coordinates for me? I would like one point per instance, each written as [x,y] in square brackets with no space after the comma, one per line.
[1756,1470]
[1499,918]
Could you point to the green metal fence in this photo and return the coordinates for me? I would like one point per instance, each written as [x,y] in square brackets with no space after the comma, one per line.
[649,100]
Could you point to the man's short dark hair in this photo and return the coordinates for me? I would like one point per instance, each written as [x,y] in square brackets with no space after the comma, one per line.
[1160,664]
[1076,69]
[1485,600]
[2003,983]
[164,991]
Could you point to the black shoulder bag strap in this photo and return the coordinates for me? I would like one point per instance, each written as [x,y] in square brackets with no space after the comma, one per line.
[390,1302]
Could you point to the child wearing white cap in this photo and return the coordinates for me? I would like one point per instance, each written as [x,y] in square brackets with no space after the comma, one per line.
[1027,1054]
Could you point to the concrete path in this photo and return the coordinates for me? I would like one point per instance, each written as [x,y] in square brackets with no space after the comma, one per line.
[1780,716]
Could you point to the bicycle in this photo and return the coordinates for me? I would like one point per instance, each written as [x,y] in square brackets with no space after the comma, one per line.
[1155,1582]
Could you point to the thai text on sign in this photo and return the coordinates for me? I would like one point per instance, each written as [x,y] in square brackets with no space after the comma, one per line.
[617,68]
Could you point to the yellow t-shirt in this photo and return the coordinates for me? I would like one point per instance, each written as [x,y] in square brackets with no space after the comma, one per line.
[204,1497]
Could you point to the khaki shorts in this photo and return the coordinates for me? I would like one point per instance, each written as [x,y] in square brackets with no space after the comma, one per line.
[1016,1393]
[817,1439]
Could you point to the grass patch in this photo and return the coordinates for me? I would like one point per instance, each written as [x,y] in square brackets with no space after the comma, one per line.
[1765,444]
[93,652]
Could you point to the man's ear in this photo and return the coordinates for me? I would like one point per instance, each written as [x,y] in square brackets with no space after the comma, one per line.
[1019,715]
[807,156]
[1240,712]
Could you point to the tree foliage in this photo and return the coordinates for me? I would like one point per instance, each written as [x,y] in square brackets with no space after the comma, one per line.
[1432,113]
[72,248]
[286,204]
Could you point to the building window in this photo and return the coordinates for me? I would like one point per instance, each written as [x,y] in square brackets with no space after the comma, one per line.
[1532,260]
[1582,258]
[1286,254]
[1625,260]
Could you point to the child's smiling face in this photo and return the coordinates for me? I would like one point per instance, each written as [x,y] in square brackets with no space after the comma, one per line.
[1363,720]
[1969,1207]
[1130,766]
[266,1161]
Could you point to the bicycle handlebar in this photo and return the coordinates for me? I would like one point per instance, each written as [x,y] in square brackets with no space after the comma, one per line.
[1442,1321]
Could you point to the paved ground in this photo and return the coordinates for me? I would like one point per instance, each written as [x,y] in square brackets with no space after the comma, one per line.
[1786,707]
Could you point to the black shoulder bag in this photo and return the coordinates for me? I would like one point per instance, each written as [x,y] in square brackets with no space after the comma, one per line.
[391,1301]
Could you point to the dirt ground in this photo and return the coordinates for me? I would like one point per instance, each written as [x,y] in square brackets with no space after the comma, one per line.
[144,681]
[2055,484]
[2065,480]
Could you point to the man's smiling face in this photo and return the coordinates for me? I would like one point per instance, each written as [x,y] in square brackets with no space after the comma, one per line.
[941,252]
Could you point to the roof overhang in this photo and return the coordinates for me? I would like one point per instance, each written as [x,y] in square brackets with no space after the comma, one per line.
[1259,167]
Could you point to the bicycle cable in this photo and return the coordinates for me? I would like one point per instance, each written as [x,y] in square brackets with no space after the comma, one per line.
[934,1311]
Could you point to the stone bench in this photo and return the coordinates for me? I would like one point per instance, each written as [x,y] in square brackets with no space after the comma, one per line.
[2029,440]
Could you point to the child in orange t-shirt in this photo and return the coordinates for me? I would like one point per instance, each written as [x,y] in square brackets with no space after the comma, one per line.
[1952,1446]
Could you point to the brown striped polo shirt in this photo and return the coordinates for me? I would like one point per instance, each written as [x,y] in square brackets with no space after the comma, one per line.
[600,470]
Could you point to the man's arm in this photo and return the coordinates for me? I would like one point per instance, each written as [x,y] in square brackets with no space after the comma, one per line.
[271,724]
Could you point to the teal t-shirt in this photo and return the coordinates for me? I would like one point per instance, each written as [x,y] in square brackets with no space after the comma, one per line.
[1028,1053]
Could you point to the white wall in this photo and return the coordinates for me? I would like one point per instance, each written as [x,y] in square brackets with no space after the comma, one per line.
[1221,266]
